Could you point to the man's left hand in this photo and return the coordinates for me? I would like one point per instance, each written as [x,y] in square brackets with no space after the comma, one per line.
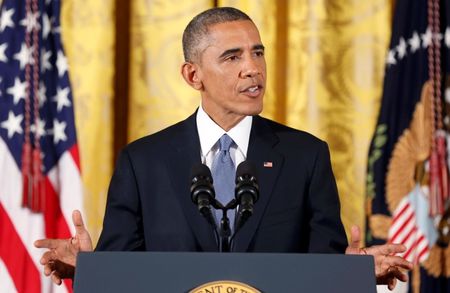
[388,266]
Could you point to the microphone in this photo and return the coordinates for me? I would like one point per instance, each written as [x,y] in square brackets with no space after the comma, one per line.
[202,191]
[246,192]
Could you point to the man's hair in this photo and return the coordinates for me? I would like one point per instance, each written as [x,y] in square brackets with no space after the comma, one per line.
[197,28]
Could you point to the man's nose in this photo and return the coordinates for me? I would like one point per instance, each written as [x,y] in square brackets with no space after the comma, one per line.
[250,68]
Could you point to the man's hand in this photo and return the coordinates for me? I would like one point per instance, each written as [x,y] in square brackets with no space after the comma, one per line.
[60,260]
[388,267]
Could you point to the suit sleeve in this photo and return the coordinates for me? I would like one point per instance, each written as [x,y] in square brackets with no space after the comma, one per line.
[327,234]
[122,224]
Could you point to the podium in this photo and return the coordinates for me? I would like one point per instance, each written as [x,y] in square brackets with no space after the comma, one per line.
[180,272]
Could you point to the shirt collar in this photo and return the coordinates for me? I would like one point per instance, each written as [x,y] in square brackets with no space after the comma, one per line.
[209,132]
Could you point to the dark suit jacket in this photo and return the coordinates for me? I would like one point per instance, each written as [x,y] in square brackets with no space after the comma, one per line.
[149,205]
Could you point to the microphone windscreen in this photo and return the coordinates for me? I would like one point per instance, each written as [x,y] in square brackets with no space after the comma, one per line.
[200,170]
[245,168]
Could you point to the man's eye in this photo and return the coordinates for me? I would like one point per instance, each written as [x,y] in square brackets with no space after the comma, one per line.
[259,53]
[233,58]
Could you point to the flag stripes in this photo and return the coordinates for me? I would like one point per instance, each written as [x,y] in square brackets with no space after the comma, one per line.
[18,262]
[404,230]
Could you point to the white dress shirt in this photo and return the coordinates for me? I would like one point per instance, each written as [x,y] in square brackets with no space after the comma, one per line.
[209,133]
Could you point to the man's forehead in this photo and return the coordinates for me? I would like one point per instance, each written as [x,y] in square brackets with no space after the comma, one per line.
[232,34]
[242,34]
[236,27]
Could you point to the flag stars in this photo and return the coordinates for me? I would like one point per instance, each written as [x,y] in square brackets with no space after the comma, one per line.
[3,48]
[447,37]
[401,48]
[390,59]
[46,26]
[56,29]
[31,21]
[59,133]
[45,60]
[414,42]
[42,94]
[437,37]
[427,38]
[24,56]
[62,98]
[61,63]
[12,124]
[18,90]
[39,131]
[6,19]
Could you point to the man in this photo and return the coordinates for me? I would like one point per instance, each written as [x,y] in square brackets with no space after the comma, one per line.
[149,205]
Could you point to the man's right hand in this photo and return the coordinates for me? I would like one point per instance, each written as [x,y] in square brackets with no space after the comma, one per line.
[60,260]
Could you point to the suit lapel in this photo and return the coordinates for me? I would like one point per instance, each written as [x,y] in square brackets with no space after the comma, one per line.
[268,164]
[186,146]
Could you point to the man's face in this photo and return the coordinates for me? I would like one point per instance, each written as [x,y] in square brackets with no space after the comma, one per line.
[232,70]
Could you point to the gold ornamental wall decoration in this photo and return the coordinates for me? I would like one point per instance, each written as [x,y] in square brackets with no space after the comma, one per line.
[410,152]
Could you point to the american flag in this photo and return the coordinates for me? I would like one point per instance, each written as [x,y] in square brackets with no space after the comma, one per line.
[40,181]
[413,199]
[268,164]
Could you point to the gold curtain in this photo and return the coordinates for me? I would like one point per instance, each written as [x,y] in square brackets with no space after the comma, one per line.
[158,94]
[87,29]
[325,67]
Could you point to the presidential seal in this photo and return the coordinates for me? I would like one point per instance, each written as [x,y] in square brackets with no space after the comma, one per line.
[224,287]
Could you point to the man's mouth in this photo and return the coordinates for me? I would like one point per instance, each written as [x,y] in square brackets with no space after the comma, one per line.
[252,91]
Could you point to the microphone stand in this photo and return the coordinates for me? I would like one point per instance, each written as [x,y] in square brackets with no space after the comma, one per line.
[224,229]
[225,232]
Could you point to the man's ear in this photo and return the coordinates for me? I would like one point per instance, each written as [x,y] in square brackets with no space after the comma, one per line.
[190,72]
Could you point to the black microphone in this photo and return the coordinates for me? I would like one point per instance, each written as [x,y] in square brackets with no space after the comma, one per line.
[202,191]
[246,192]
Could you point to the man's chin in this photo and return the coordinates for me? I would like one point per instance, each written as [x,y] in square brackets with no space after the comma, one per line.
[255,111]
[252,109]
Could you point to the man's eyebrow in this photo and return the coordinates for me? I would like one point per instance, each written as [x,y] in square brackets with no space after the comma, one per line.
[258,47]
[230,51]
[237,50]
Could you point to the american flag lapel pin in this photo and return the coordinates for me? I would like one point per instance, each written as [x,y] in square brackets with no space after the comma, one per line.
[268,164]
